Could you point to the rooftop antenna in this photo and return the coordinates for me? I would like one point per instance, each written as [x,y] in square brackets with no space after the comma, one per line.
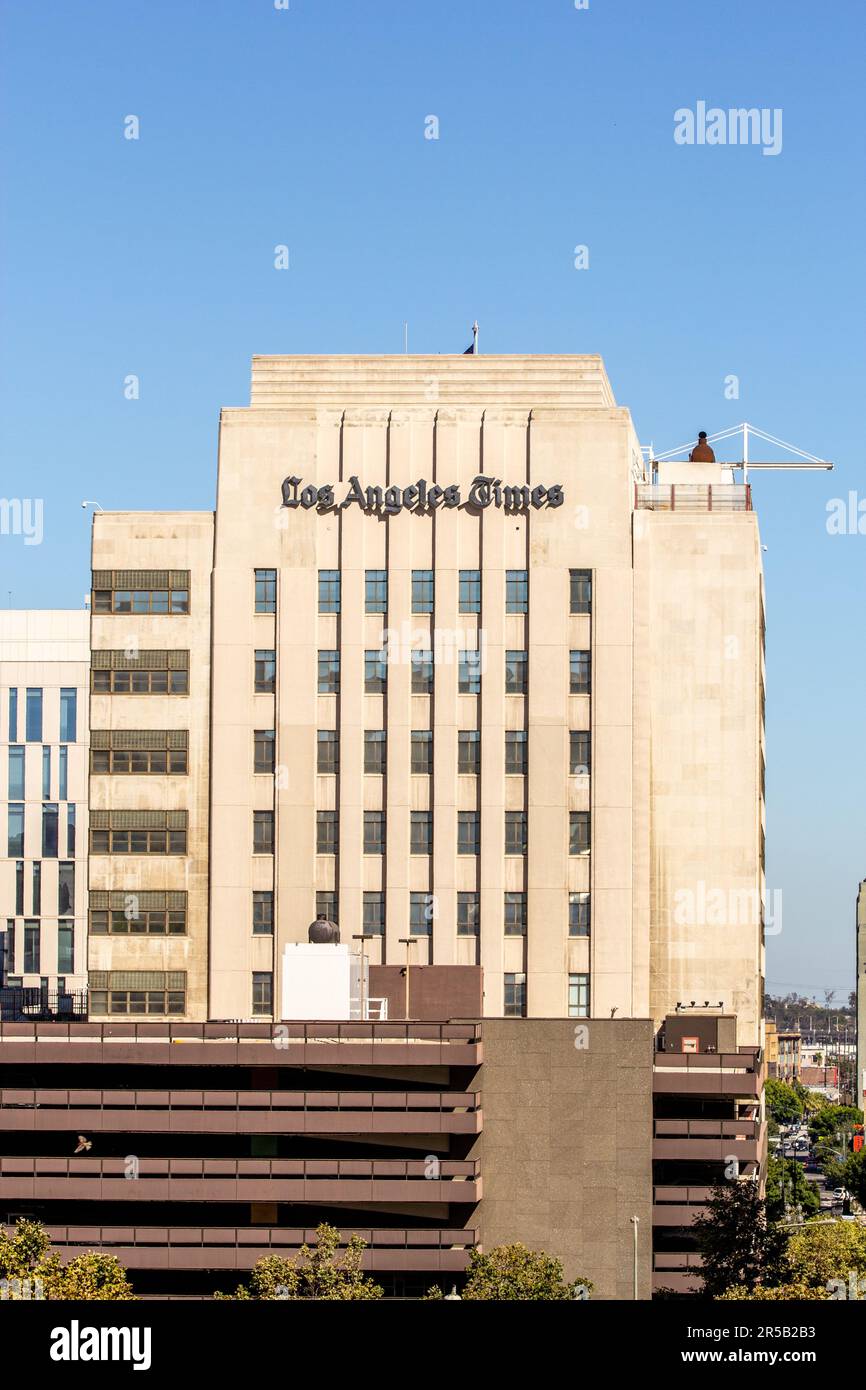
[405,336]
[805,461]
[473,350]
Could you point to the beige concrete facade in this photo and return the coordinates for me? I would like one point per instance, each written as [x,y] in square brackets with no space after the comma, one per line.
[673,703]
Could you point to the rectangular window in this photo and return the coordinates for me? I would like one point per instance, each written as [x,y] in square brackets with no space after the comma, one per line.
[63,762]
[263,832]
[19,887]
[580,742]
[422,591]
[68,715]
[375,752]
[514,1000]
[374,832]
[375,672]
[156,680]
[578,832]
[155,600]
[578,914]
[515,832]
[580,679]
[516,668]
[16,773]
[420,914]
[376,591]
[263,992]
[265,672]
[264,755]
[470,591]
[266,591]
[263,914]
[580,595]
[515,914]
[144,841]
[329,673]
[13,716]
[422,672]
[468,914]
[469,673]
[154,761]
[70,830]
[37,889]
[328,751]
[31,948]
[7,953]
[329,591]
[468,832]
[374,914]
[33,717]
[515,752]
[578,996]
[421,833]
[66,888]
[49,830]
[469,752]
[422,751]
[15,832]
[66,948]
[327,905]
[151,992]
[46,773]
[327,832]
[516,591]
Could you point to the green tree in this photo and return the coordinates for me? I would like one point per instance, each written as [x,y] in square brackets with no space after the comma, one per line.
[514,1272]
[32,1269]
[317,1272]
[821,1251]
[853,1175]
[833,1121]
[785,1293]
[797,1188]
[738,1244]
[783,1101]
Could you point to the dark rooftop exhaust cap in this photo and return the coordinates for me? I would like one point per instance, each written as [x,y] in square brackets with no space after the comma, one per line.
[323,933]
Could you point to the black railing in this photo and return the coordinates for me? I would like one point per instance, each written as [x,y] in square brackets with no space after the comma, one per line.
[33,1004]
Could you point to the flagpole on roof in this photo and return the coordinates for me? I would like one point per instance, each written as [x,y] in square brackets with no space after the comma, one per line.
[475,337]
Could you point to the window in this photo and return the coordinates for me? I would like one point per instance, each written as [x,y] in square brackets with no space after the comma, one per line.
[15,829]
[153,752]
[422,751]
[263,832]
[37,888]
[578,832]
[33,717]
[49,830]
[263,992]
[16,773]
[143,840]
[515,752]
[469,751]
[374,914]
[516,667]
[516,591]
[468,914]
[7,952]
[515,914]
[327,905]
[374,751]
[374,832]
[580,597]
[422,672]
[421,910]
[468,832]
[329,673]
[65,888]
[329,591]
[68,715]
[66,948]
[263,751]
[327,832]
[328,749]
[31,948]
[578,914]
[578,996]
[579,752]
[266,591]
[514,1000]
[469,673]
[263,914]
[470,591]
[63,763]
[421,833]
[265,672]
[148,673]
[138,991]
[422,591]
[515,832]
[375,672]
[580,673]
[376,591]
[156,600]
[19,887]
[13,715]
[70,829]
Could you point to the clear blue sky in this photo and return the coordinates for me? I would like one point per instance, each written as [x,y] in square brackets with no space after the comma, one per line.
[306,127]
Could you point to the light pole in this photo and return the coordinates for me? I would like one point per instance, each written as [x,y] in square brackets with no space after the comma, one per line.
[635,1220]
[407,941]
[363,936]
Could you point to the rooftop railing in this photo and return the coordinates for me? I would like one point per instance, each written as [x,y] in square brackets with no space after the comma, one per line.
[693,497]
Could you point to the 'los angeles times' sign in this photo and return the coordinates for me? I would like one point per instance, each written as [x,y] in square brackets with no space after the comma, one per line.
[421,496]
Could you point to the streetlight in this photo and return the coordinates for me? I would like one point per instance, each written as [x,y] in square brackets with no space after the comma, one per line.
[363,936]
[634,1222]
[407,941]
